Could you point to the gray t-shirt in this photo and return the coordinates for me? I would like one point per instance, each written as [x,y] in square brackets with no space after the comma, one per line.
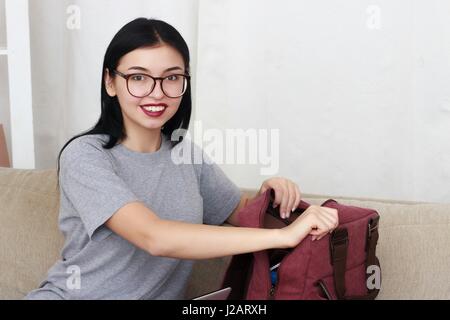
[95,182]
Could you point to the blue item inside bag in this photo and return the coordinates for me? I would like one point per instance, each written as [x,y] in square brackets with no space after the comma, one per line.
[274,274]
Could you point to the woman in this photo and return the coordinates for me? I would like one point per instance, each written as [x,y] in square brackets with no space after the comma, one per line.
[132,218]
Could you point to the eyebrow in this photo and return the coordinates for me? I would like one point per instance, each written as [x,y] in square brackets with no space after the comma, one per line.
[146,70]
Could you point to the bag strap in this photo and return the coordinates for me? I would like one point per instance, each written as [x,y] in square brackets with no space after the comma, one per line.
[338,250]
[372,239]
[371,245]
[371,258]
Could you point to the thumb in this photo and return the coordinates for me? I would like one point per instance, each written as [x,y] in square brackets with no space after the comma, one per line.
[316,232]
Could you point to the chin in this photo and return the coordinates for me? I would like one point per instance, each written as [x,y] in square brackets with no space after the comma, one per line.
[152,126]
[154,123]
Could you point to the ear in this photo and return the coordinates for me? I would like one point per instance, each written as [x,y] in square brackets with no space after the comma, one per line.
[109,84]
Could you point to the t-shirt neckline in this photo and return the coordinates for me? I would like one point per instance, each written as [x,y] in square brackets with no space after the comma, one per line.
[165,145]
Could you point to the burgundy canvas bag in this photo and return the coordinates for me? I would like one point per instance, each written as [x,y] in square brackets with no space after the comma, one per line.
[335,267]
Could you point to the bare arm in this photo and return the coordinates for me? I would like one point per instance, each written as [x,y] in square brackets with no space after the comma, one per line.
[143,228]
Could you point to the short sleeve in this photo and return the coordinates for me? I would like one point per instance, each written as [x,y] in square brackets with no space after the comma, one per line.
[220,195]
[89,183]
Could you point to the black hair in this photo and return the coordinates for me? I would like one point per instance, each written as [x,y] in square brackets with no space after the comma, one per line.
[141,32]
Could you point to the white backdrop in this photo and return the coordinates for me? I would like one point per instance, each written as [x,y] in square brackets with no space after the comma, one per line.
[359,90]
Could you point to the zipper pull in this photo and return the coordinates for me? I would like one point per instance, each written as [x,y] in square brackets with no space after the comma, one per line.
[272,291]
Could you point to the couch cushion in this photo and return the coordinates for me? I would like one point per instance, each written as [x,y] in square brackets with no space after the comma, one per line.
[30,241]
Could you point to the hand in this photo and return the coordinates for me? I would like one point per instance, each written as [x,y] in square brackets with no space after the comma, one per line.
[316,221]
[287,194]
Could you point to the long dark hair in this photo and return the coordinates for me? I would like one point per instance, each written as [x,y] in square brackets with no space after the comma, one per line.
[138,33]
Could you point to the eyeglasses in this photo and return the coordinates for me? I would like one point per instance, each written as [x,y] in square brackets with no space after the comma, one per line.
[140,85]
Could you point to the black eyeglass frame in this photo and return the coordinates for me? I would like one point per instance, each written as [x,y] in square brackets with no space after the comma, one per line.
[127,76]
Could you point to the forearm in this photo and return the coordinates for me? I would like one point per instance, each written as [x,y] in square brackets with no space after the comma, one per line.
[196,241]
[143,228]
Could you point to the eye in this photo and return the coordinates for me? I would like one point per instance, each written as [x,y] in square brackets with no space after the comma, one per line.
[138,77]
[172,77]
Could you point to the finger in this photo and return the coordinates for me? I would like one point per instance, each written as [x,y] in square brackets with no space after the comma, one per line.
[320,227]
[316,232]
[331,220]
[327,223]
[278,195]
[319,236]
[331,211]
[298,197]
[284,201]
[333,214]
[325,234]
[330,229]
[291,201]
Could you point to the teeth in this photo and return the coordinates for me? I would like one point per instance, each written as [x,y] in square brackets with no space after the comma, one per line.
[154,109]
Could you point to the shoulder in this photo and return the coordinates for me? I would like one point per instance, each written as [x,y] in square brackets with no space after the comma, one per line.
[87,147]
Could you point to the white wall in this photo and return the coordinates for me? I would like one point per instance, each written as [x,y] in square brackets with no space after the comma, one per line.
[4,96]
[361,101]
[361,111]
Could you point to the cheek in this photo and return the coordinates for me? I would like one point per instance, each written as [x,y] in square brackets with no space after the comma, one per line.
[174,106]
[126,100]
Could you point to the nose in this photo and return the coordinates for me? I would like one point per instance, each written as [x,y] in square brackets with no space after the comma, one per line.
[157,92]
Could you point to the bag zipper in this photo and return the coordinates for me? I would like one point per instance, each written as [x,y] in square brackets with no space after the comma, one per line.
[271,282]
[274,287]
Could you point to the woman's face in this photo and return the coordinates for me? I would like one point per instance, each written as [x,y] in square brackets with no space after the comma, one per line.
[152,111]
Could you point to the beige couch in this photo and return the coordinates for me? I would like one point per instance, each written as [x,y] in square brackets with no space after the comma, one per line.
[414,244]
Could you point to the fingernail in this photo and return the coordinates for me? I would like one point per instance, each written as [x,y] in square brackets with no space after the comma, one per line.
[274,205]
[293,209]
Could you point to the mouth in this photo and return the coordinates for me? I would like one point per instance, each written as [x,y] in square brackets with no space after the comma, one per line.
[153,110]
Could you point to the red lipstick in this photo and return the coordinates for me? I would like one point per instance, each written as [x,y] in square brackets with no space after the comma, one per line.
[153,110]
